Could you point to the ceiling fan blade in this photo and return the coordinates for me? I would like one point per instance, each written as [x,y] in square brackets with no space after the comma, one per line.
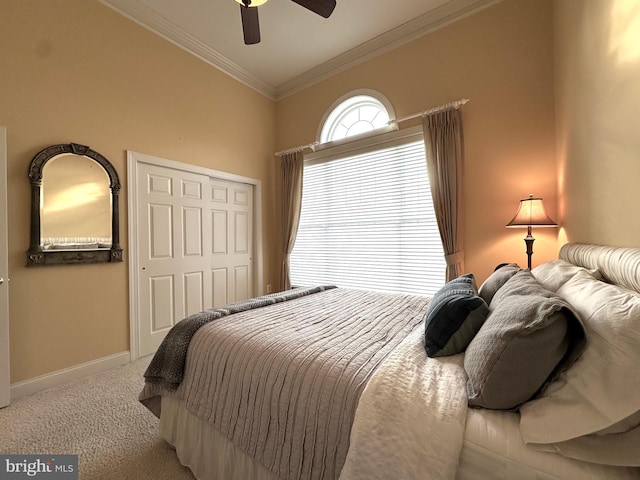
[324,8]
[250,25]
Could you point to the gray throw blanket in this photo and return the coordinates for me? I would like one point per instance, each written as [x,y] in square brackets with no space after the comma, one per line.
[167,366]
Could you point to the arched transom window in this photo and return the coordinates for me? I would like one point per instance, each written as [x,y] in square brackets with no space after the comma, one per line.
[354,116]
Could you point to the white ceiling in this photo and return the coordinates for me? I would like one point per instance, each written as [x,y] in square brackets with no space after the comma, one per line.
[298,47]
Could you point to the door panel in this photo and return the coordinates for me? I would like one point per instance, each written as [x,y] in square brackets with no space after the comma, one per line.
[192,231]
[160,228]
[191,189]
[241,277]
[220,279]
[242,233]
[161,302]
[194,293]
[219,222]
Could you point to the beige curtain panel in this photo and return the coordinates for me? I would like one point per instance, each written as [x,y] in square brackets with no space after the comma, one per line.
[443,145]
[291,165]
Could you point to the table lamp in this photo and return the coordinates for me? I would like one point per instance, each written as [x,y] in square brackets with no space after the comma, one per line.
[531,213]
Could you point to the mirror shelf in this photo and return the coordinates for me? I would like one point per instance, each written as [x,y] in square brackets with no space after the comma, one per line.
[67,247]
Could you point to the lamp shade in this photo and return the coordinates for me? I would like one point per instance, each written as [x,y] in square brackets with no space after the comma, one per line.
[252,3]
[531,213]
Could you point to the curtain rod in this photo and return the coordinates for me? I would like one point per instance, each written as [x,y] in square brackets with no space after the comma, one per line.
[312,146]
[439,108]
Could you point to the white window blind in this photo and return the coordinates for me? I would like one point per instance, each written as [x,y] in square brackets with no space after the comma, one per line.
[368,222]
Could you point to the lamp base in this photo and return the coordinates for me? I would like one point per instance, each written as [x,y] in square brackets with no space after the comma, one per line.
[529,241]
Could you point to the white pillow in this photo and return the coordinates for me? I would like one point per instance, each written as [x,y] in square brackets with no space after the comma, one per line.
[603,386]
[552,275]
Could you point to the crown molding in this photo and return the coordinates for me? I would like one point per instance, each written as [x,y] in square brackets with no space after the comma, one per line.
[416,28]
[149,19]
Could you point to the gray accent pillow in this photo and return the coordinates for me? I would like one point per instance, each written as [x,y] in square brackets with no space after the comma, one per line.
[496,280]
[528,334]
[454,316]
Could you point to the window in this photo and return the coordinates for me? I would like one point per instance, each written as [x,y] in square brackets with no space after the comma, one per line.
[354,116]
[367,218]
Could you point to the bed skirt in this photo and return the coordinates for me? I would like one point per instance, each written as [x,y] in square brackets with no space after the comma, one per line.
[199,446]
[210,456]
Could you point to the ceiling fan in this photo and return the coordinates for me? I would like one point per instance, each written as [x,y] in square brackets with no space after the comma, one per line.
[249,13]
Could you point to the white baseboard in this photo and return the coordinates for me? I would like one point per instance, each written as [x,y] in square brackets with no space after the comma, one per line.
[53,379]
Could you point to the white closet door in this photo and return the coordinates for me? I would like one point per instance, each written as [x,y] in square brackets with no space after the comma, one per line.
[174,236]
[232,245]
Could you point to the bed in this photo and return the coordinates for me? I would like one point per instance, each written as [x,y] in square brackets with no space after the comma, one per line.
[328,383]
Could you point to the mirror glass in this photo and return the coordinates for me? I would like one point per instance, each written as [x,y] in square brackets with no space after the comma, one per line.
[75,204]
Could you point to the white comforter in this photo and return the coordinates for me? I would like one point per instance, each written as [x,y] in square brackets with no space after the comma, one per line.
[411,417]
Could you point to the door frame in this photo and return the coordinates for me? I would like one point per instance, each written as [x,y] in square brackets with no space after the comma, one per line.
[133,160]
[5,382]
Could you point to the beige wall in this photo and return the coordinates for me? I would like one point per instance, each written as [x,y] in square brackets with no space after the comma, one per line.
[598,102]
[75,71]
[502,60]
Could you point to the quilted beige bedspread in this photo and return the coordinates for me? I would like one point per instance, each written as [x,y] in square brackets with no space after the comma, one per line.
[283,382]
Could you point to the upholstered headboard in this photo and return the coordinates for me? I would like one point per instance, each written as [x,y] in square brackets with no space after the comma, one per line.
[618,265]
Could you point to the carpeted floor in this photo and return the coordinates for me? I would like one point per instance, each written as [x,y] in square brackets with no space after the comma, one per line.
[100,419]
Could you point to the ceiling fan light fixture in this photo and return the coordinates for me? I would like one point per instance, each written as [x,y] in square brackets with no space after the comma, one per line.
[252,3]
[251,22]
